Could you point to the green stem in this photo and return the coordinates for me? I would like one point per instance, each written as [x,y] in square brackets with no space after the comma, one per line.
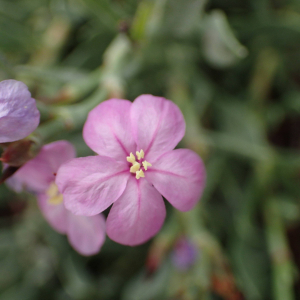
[282,266]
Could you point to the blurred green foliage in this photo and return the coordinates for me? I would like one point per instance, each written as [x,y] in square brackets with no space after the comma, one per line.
[233,67]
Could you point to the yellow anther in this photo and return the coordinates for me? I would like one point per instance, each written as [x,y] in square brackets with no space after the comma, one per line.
[140,154]
[55,197]
[52,190]
[135,167]
[56,200]
[146,164]
[139,174]
[131,158]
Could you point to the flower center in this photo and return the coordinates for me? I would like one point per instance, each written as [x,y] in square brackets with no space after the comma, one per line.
[55,197]
[136,166]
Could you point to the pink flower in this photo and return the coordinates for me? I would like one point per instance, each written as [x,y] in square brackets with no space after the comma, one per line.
[18,113]
[85,234]
[135,166]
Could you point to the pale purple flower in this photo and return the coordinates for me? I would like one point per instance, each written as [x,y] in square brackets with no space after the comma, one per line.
[184,254]
[135,166]
[85,234]
[18,113]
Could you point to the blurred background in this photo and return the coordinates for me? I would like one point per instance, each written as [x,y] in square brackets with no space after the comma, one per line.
[233,67]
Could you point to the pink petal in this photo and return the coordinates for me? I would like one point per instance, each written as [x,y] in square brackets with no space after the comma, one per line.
[14,183]
[137,215]
[158,125]
[107,130]
[91,184]
[38,173]
[57,153]
[18,113]
[86,234]
[56,215]
[179,175]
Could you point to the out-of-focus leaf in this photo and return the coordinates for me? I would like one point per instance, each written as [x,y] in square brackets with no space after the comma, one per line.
[220,47]
[183,16]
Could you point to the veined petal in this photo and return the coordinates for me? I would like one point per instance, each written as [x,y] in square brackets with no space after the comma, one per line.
[158,125]
[18,113]
[38,173]
[179,175]
[91,184]
[86,234]
[56,215]
[137,215]
[107,130]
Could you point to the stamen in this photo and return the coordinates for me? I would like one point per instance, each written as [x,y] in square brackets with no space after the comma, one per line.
[131,158]
[139,174]
[56,200]
[140,154]
[52,190]
[55,197]
[146,164]
[135,167]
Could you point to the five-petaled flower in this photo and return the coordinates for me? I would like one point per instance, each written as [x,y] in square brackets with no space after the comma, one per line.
[85,234]
[135,165]
[18,113]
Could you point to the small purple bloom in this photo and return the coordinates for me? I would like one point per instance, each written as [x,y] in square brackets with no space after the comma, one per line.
[184,254]
[85,234]
[18,113]
[136,165]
